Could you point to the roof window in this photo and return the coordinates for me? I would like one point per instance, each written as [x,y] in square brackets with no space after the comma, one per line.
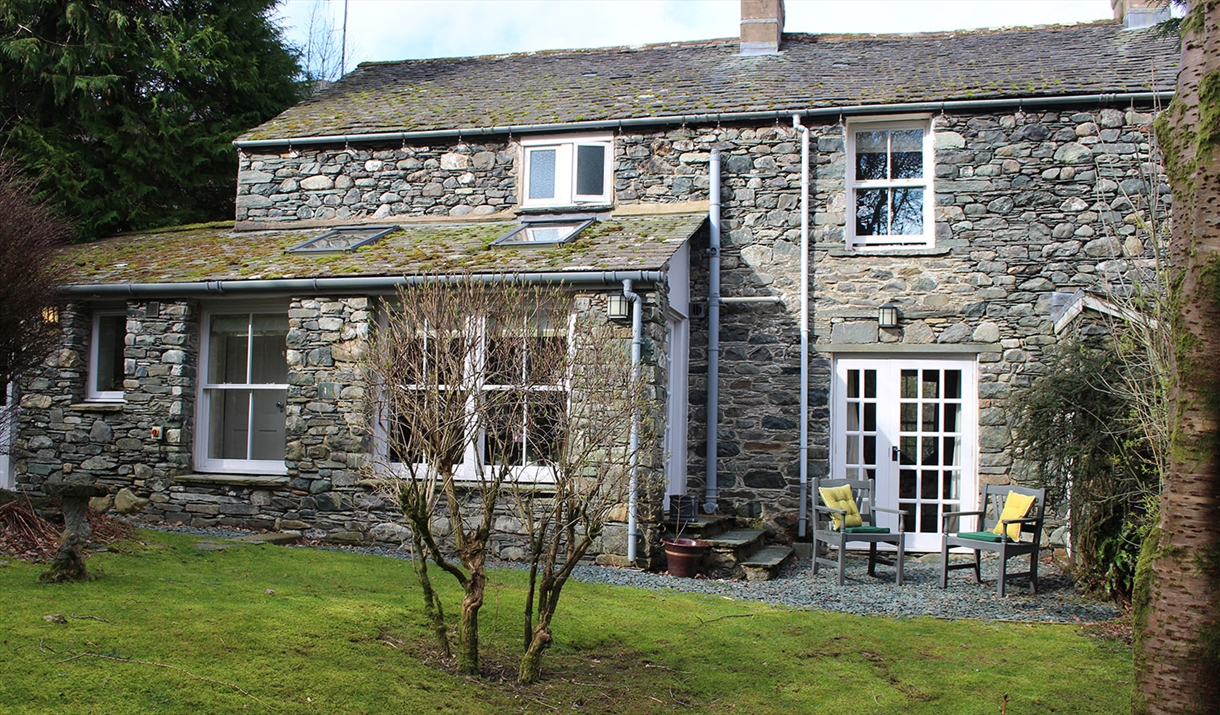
[343,239]
[543,231]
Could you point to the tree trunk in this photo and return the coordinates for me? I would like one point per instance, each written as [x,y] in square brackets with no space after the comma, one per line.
[69,561]
[531,661]
[432,602]
[468,626]
[1177,608]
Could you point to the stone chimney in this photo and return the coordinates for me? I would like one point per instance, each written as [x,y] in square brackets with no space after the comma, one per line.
[1136,14]
[762,26]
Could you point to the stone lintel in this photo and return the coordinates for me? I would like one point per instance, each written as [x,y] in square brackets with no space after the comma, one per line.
[910,349]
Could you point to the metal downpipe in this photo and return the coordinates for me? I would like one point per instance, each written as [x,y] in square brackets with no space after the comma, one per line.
[803,510]
[711,488]
[637,345]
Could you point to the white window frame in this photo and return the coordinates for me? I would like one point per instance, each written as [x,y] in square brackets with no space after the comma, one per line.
[8,434]
[472,468]
[92,394]
[565,169]
[203,462]
[891,241]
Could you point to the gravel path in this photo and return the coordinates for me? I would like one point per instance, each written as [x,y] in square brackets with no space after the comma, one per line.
[1057,600]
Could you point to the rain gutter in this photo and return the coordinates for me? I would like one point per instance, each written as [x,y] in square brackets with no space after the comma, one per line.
[1105,98]
[368,284]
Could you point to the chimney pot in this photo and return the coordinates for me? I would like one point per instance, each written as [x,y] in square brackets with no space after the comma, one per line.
[762,26]
[1136,14]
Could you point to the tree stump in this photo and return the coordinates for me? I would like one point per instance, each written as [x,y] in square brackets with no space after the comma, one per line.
[69,561]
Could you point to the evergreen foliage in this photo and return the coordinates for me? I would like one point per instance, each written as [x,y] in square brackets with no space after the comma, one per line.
[1079,434]
[125,110]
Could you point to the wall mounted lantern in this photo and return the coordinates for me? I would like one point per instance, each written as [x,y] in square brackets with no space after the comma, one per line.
[887,316]
[617,307]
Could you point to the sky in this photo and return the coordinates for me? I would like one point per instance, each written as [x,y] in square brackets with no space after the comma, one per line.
[415,29]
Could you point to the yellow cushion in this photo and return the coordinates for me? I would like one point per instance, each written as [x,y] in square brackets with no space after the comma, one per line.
[1015,507]
[841,498]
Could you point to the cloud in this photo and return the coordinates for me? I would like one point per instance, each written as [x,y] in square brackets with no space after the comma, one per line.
[411,29]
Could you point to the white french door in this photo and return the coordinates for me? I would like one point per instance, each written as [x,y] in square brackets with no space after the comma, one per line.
[910,425]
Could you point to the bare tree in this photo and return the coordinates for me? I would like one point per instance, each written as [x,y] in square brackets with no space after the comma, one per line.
[589,466]
[30,234]
[457,400]
[322,55]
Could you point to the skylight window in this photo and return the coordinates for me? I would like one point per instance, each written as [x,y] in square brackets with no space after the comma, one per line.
[343,239]
[533,233]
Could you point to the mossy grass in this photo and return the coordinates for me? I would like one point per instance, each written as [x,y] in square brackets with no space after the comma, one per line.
[302,630]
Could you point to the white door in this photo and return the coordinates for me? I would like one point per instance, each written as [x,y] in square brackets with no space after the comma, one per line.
[911,426]
[8,432]
[675,419]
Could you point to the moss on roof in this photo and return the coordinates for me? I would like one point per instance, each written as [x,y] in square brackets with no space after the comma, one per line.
[710,77]
[214,252]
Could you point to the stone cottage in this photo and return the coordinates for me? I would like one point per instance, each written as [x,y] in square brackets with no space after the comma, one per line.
[848,249]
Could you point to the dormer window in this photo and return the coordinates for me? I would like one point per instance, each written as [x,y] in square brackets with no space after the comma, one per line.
[567,171]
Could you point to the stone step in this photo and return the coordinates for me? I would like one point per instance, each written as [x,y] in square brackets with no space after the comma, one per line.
[287,537]
[735,540]
[762,565]
[729,549]
[705,526]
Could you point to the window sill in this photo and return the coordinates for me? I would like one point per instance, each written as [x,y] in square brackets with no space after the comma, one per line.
[99,406]
[541,485]
[836,250]
[237,480]
[561,210]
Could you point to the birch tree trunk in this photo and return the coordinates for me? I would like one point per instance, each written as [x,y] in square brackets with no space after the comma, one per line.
[1177,603]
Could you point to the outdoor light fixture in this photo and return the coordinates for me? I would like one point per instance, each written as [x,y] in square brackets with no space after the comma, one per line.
[887,316]
[50,314]
[617,307]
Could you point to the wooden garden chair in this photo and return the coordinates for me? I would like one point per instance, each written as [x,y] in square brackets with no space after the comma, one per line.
[999,531]
[834,525]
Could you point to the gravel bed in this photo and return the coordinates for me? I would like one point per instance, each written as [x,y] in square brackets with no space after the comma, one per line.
[1057,601]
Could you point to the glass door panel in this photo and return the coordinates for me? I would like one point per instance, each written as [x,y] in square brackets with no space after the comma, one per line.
[930,470]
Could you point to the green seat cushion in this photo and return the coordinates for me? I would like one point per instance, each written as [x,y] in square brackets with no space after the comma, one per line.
[867,530]
[979,536]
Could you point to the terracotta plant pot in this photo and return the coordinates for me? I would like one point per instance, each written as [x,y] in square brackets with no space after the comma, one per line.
[683,556]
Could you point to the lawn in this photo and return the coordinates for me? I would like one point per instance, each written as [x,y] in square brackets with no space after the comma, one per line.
[293,630]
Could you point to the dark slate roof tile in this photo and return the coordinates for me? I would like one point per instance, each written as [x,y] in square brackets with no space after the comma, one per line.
[709,77]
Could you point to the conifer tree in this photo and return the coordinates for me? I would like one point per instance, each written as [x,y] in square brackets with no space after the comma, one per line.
[124,110]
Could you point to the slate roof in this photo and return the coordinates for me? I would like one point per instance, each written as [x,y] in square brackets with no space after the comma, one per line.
[216,252]
[709,77]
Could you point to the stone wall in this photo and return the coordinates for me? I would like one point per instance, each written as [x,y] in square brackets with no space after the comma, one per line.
[1027,204]
[326,493]
[114,443]
[357,184]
